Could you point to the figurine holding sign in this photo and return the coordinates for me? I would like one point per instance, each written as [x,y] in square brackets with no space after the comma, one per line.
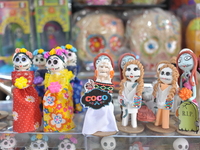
[130,93]
[26,112]
[100,113]
[187,67]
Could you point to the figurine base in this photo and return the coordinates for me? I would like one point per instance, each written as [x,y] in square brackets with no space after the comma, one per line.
[190,133]
[130,129]
[3,114]
[103,134]
[159,129]
[3,125]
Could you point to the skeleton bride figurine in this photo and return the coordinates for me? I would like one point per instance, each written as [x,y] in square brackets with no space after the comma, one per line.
[130,92]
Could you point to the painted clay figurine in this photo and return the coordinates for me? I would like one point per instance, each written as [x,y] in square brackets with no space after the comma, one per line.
[187,67]
[39,142]
[181,144]
[130,93]
[58,107]
[7,141]
[164,91]
[67,143]
[102,114]
[75,82]
[26,112]
[39,61]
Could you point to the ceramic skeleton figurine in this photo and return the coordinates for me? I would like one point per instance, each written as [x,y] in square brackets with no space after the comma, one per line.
[181,144]
[7,142]
[39,142]
[26,113]
[130,92]
[67,143]
[187,66]
[164,91]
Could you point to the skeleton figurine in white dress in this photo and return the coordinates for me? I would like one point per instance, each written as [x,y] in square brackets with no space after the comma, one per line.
[130,92]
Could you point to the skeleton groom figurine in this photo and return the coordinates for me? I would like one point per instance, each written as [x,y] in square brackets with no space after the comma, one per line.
[100,113]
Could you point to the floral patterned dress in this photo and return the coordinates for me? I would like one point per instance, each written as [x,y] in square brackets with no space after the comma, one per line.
[58,107]
[26,113]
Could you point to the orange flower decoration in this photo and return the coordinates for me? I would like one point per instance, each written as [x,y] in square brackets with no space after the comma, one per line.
[13,12]
[51,10]
[185,94]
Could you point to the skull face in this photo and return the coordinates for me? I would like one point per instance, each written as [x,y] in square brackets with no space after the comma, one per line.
[181,144]
[132,72]
[39,61]
[102,57]
[8,143]
[39,145]
[125,60]
[104,67]
[71,58]
[108,143]
[55,64]
[66,145]
[166,75]
[185,62]
[22,62]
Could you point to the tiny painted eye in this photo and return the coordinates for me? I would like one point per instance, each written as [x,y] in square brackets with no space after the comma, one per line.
[111,144]
[42,145]
[135,69]
[23,59]
[17,59]
[35,145]
[162,72]
[128,69]
[49,62]
[105,144]
[180,146]
[186,146]
[11,141]
[62,145]
[36,59]
[41,59]
[69,54]
[188,58]
[55,62]
[68,146]
[5,143]
[168,73]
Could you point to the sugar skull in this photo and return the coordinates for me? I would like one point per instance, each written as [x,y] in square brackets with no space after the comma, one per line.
[39,142]
[66,144]
[38,59]
[71,55]
[108,143]
[123,60]
[97,33]
[22,59]
[143,33]
[181,144]
[8,141]
[55,61]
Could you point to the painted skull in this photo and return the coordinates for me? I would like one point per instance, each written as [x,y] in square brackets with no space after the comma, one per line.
[71,58]
[104,67]
[186,62]
[165,75]
[21,62]
[97,33]
[39,145]
[108,143]
[66,145]
[39,60]
[54,64]
[181,144]
[143,33]
[8,143]
[102,57]
[132,72]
